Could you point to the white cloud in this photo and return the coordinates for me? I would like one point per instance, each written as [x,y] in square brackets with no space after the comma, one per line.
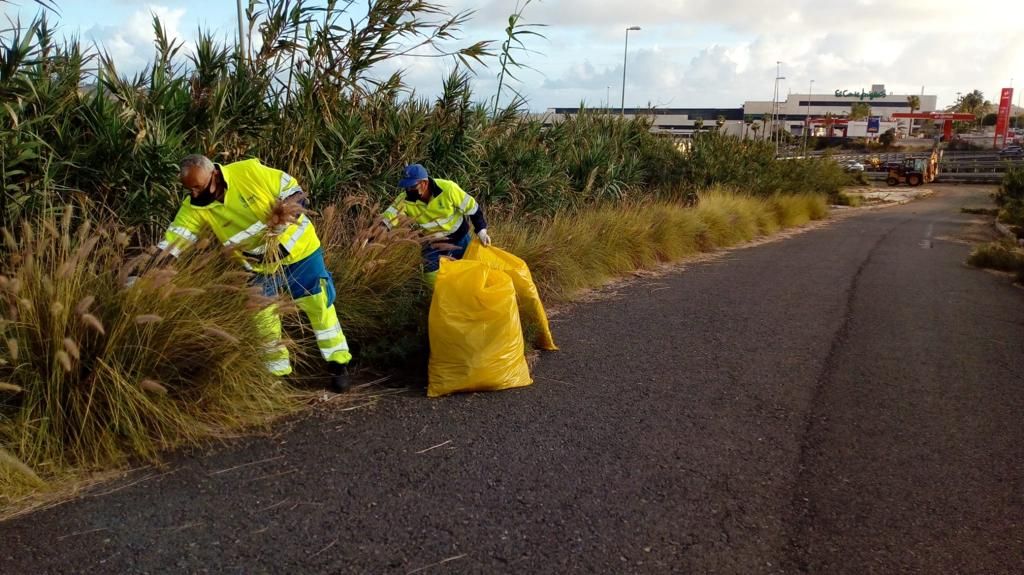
[895,15]
[729,48]
[690,52]
[131,45]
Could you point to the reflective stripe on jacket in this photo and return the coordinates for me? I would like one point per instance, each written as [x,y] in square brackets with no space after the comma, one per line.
[443,215]
[240,222]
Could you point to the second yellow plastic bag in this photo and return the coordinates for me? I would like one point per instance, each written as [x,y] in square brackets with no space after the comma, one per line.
[529,298]
[476,340]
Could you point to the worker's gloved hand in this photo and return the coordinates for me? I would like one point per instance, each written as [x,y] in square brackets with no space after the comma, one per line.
[484,238]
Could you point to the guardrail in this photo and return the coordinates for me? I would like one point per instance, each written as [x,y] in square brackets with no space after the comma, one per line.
[949,177]
[976,167]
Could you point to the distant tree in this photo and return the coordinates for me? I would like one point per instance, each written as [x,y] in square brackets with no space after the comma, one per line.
[860,111]
[698,123]
[915,104]
[720,121]
[755,127]
[888,137]
[766,120]
[973,102]
[989,120]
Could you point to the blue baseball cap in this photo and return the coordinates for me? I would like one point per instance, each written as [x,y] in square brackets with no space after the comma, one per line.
[413,173]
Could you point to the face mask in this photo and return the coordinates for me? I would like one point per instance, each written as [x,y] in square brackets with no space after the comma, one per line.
[204,199]
[412,194]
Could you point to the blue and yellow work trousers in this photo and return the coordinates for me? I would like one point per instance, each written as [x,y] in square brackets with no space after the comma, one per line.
[312,287]
[432,255]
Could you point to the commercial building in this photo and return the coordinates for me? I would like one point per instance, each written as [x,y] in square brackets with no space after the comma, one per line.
[790,115]
[793,112]
[678,121]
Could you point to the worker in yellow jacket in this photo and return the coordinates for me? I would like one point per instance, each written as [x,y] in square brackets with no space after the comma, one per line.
[235,201]
[439,208]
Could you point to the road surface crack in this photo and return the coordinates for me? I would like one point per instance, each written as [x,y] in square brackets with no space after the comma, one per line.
[802,508]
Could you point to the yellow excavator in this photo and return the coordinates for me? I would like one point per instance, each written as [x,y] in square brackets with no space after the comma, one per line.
[915,171]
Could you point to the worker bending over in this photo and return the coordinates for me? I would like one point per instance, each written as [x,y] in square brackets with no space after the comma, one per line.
[439,208]
[235,201]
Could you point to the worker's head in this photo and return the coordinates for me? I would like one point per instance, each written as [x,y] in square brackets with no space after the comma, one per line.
[416,183]
[198,176]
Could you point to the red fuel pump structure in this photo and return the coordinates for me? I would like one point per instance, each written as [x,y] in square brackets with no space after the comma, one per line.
[947,118]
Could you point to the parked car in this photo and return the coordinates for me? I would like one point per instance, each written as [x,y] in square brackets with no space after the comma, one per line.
[1011,151]
[853,166]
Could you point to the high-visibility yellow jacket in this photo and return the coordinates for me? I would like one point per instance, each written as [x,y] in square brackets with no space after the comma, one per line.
[444,215]
[240,221]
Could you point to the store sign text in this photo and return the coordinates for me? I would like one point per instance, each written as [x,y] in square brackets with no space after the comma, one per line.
[860,95]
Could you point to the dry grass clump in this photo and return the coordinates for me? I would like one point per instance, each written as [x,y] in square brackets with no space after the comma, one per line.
[1000,255]
[381,299]
[798,209]
[572,252]
[729,218]
[92,372]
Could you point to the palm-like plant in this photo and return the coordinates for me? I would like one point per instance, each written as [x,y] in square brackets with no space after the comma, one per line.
[514,43]
[974,102]
[915,104]
[860,110]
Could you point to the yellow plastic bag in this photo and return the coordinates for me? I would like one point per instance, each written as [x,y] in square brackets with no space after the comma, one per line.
[476,341]
[529,298]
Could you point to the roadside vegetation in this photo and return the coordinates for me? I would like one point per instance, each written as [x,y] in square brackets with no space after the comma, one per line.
[92,373]
[1002,255]
[1010,200]
[1006,254]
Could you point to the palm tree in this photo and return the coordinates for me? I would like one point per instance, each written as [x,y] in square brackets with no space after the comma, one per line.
[720,121]
[974,102]
[829,124]
[915,104]
[860,110]
[755,127]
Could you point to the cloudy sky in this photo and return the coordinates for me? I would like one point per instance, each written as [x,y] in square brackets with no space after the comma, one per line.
[689,53]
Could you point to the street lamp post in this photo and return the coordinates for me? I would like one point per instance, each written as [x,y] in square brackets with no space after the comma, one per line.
[625,52]
[775,119]
[807,121]
[241,30]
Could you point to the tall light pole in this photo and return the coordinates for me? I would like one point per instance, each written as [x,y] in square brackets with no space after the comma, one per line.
[775,108]
[241,30]
[775,101]
[807,122]
[625,52]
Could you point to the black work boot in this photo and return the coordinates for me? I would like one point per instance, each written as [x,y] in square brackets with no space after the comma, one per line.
[339,377]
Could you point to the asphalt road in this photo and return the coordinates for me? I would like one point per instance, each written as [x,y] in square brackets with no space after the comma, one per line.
[848,400]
